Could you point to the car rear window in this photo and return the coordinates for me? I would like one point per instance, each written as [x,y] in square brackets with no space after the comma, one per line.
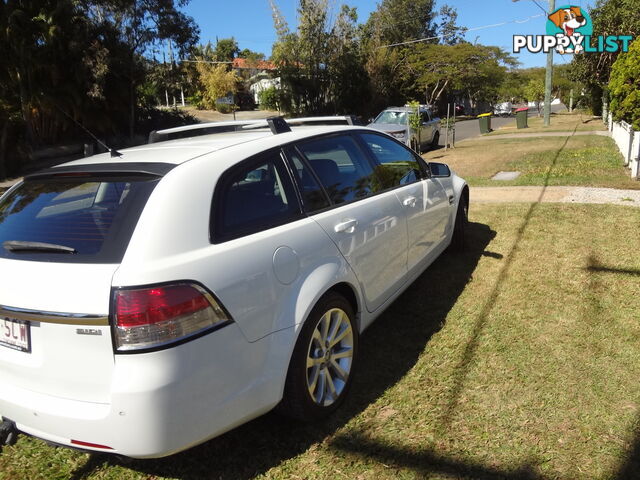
[83,220]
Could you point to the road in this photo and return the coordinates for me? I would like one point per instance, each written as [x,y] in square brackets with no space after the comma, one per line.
[471,128]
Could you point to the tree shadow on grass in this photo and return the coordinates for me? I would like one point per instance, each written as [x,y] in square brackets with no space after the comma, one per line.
[388,350]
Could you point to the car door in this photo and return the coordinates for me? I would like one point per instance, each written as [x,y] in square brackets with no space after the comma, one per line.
[424,199]
[368,227]
[426,128]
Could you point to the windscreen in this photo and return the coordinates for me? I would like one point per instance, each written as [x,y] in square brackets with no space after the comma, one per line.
[392,117]
[88,220]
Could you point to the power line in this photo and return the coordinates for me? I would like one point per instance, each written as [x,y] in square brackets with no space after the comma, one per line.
[540,7]
[474,29]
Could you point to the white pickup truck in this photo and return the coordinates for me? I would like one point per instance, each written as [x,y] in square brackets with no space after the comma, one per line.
[395,122]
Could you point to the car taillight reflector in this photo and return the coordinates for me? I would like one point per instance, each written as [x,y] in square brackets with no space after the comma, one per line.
[80,443]
[157,316]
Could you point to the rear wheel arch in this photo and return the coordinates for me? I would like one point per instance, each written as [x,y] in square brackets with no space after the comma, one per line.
[299,393]
[349,293]
[465,194]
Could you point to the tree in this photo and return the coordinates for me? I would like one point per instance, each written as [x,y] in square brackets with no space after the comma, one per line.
[139,26]
[226,50]
[624,86]
[447,27]
[385,56]
[217,81]
[397,21]
[474,70]
[348,79]
[251,56]
[534,92]
[610,17]
[320,64]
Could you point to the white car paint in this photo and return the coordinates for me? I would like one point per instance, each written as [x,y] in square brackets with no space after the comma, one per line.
[74,387]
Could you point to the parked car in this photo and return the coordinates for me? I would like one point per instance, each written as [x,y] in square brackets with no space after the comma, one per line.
[154,298]
[504,109]
[395,122]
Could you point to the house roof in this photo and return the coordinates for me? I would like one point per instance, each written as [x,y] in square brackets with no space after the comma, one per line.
[242,63]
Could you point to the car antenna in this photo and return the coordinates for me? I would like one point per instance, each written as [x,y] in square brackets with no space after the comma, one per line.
[112,151]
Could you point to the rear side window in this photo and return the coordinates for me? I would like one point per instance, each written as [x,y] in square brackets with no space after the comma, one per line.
[397,165]
[254,196]
[313,197]
[88,220]
[341,166]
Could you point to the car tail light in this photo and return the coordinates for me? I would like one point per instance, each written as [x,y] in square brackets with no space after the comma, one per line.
[158,316]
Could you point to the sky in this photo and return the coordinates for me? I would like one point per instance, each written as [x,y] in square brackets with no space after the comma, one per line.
[250,21]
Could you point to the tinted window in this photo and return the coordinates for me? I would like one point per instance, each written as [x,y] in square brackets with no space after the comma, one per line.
[341,166]
[392,117]
[397,164]
[312,195]
[252,197]
[91,219]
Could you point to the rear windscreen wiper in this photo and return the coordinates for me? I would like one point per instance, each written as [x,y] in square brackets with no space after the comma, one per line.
[20,246]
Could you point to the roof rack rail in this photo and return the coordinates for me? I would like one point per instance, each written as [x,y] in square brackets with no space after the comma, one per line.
[277,125]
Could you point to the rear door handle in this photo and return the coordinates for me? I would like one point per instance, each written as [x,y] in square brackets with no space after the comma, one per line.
[347,226]
[409,202]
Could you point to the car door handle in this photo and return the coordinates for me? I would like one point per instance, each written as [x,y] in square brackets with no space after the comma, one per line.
[347,226]
[409,202]
[451,199]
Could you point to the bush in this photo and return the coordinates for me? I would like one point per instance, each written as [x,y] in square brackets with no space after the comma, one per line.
[225,107]
[151,118]
[269,98]
[196,101]
[624,86]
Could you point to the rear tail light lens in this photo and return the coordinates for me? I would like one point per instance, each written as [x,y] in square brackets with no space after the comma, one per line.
[155,317]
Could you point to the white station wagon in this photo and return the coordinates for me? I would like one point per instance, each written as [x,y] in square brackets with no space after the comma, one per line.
[155,298]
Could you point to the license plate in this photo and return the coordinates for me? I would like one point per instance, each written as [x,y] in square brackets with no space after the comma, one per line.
[15,334]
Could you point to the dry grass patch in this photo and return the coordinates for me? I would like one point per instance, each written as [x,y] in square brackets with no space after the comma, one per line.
[560,122]
[579,161]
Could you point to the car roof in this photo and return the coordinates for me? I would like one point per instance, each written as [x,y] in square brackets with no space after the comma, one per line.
[421,108]
[184,149]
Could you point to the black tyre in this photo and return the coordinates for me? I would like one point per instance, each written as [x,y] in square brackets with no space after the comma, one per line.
[436,140]
[460,227]
[323,360]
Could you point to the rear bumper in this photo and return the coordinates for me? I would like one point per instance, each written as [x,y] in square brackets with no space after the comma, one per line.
[161,402]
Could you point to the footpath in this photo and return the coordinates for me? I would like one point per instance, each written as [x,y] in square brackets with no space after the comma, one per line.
[611,196]
[550,194]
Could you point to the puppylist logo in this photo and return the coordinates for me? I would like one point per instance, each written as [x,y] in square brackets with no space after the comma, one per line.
[569,30]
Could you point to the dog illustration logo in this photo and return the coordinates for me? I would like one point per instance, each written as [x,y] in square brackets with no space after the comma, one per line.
[570,21]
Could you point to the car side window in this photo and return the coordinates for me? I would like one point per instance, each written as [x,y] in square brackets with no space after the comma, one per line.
[424,117]
[341,166]
[313,196]
[397,165]
[255,195]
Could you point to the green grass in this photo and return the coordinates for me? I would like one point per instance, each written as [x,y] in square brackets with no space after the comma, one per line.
[518,359]
[578,161]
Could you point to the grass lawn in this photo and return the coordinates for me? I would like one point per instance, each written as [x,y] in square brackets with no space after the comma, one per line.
[577,161]
[518,359]
[560,122]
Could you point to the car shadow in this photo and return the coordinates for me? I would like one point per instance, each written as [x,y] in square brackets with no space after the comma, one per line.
[388,350]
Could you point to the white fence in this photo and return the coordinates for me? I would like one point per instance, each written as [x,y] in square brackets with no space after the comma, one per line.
[628,141]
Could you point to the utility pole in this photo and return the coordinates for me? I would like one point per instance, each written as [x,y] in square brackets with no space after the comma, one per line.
[571,102]
[549,77]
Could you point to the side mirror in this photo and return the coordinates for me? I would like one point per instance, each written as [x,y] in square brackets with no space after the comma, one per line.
[439,170]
